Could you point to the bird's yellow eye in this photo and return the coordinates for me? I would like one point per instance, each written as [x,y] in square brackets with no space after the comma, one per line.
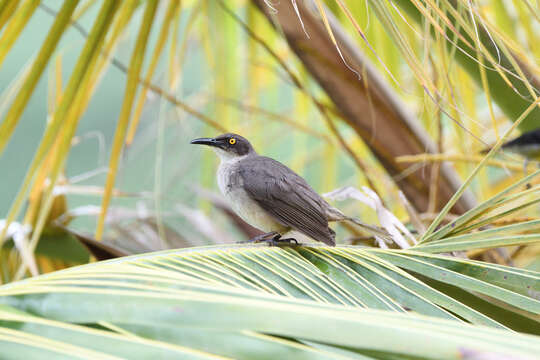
[232,141]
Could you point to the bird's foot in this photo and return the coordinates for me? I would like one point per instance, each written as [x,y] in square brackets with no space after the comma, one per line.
[278,241]
[272,238]
[260,238]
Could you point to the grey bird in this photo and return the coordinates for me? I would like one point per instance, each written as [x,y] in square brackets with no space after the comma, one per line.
[270,196]
[527,145]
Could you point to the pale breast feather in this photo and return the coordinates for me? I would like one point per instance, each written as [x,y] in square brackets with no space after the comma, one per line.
[231,184]
[228,175]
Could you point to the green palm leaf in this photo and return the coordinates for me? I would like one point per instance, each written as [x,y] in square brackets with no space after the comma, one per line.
[244,301]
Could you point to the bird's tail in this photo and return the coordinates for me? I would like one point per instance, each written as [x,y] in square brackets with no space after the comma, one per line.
[372,229]
[336,215]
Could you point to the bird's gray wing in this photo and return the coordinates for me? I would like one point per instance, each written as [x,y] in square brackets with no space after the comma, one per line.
[287,197]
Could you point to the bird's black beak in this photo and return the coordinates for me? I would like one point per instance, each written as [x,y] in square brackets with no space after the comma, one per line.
[209,142]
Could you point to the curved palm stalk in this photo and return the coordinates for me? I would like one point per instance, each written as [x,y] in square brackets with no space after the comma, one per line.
[7,8]
[170,13]
[15,27]
[68,113]
[244,301]
[123,121]
[49,45]
[369,106]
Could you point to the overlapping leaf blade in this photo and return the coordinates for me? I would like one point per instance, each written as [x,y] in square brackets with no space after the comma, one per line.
[283,301]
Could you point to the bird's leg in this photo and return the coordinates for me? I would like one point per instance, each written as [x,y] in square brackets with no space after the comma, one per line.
[260,238]
[525,165]
[277,240]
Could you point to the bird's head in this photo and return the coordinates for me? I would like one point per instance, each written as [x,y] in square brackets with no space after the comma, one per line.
[227,146]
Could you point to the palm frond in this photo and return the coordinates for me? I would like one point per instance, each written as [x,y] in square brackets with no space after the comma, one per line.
[291,299]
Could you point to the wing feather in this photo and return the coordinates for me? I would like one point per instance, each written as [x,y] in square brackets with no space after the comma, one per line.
[287,197]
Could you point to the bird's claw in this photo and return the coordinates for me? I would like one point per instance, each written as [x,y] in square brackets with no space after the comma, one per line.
[272,239]
[277,241]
